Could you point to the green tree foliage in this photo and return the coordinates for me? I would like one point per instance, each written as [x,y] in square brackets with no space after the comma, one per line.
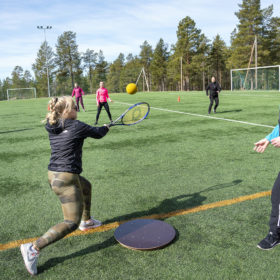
[217,59]
[130,73]
[158,66]
[17,77]
[45,57]
[145,56]
[90,59]
[100,71]
[68,62]
[253,21]
[5,84]
[189,40]
[273,41]
[115,70]
[192,53]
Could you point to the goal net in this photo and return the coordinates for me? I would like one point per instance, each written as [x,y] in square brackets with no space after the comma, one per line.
[257,78]
[21,93]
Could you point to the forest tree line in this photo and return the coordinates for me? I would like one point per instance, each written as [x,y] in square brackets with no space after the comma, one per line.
[200,58]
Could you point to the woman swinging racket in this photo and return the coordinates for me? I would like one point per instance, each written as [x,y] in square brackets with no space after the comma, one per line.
[66,135]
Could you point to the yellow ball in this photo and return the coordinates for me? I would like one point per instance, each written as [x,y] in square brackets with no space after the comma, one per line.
[131,88]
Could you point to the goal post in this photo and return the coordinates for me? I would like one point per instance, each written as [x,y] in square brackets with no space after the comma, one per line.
[21,93]
[256,78]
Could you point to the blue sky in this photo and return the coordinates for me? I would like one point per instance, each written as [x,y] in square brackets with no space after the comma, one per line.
[113,26]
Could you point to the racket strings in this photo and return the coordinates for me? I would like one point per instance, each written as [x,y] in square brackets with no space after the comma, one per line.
[135,114]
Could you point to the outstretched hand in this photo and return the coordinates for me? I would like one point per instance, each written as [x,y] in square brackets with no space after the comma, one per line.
[261,145]
[276,142]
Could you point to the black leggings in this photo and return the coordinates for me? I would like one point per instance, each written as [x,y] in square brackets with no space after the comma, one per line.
[274,222]
[99,107]
[212,99]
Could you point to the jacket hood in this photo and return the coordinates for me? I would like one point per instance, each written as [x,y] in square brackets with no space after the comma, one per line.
[56,128]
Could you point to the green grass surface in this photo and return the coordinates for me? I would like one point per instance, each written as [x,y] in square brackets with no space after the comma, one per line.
[168,162]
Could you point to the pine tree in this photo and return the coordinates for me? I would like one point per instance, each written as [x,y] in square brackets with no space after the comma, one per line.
[90,59]
[68,60]
[100,71]
[159,65]
[6,84]
[273,41]
[145,56]
[253,21]
[115,70]
[45,57]
[17,77]
[199,64]
[217,59]
[130,72]
[189,39]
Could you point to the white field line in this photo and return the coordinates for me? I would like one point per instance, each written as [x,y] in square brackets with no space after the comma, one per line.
[202,116]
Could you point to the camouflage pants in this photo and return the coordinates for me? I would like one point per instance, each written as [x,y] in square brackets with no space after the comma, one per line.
[74,193]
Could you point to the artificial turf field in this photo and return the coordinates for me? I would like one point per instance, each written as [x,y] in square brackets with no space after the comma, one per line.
[169,162]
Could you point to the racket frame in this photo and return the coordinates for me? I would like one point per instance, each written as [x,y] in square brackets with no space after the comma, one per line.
[123,114]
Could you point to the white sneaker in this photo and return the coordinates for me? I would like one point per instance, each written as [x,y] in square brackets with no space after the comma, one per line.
[30,257]
[91,223]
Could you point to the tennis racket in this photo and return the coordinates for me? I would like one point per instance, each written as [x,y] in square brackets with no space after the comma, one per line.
[133,115]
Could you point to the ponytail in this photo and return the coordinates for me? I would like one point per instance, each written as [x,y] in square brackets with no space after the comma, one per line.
[58,108]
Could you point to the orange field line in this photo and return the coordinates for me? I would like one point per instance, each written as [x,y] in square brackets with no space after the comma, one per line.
[106,227]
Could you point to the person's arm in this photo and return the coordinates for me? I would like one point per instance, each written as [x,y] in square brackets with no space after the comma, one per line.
[219,88]
[73,92]
[272,138]
[97,97]
[84,130]
[273,134]
[107,96]
[207,88]
[82,91]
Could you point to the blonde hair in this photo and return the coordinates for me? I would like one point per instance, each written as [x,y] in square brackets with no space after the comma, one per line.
[59,107]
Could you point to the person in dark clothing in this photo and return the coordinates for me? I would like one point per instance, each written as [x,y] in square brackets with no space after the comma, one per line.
[66,135]
[215,89]
[273,237]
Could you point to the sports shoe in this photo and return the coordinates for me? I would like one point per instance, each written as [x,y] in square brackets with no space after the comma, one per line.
[30,257]
[270,241]
[95,123]
[91,223]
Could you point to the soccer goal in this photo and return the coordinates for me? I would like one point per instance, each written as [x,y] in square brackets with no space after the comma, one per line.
[21,93]
[256,78]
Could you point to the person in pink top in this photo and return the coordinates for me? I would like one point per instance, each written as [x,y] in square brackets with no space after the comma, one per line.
[78,92]
[101,100]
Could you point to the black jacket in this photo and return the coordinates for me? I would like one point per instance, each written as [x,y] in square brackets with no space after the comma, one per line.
[66,142]
[213,87]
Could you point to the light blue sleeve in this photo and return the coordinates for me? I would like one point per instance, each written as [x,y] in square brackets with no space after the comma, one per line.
[273,134]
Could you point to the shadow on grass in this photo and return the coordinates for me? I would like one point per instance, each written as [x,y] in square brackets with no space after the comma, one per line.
[229,111]
[179,202]
[16,130]
[176,203]
[91,249]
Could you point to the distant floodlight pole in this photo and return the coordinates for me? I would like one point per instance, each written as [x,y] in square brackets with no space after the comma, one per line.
[47,64]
